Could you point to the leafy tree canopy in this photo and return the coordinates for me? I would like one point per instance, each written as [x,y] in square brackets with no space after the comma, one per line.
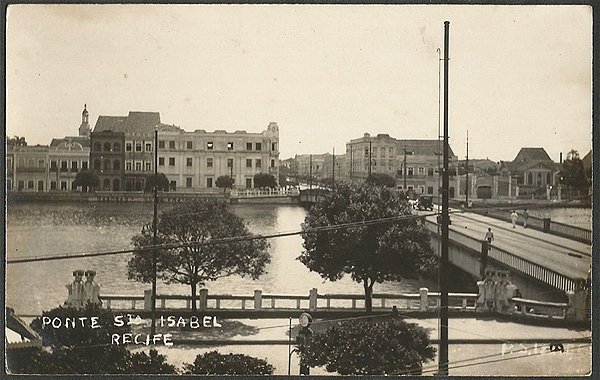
[375,253]
[225,182]
[381,179]
[214,363]
[264,180]
[161,180]
[358,347]
[192,264]
[86,179]
[573,173]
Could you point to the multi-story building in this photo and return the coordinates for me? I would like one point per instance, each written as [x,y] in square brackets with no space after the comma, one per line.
[67,157]
[415,164]
[192,161]
[532,169]
[27,168]
[319,163]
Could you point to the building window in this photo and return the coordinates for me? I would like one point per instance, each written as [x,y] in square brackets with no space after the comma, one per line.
[391,152]
[138,146]
[63,166]
[173,185]
[128,165]
[248,182]
[411,171]
[171,161]
[258,163]
[161,144]
[209,182]
[209,145]
[106,164]
[188,182]
[97,147]
[138,166]
[430,172]
[53,165]
[8,184]
[248,146]
[107,147]
[272,163]
[84,165]
[63,185]
[161,161]
[74,166]
[21,185]
[230,162]
[30,185]
[429,190]
[374,151]
[229,146]
[73,187]
[421,171]
[382,152]
[9,162]
[209,162]
[105,184]
[97,165]
[148,147]
[116,147]
[41,164]
[366,152]
[273,146]
[148,166]
[258,146]
[128,146]
[248,163]
[188,161]
[189,144]
[171,144]
[52,185]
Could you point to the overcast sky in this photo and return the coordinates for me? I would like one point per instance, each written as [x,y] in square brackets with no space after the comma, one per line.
[520,76]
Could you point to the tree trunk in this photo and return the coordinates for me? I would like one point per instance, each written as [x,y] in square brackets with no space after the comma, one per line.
[193,297]
[368,296]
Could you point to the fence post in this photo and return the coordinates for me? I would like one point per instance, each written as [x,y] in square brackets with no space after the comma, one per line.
[257,299]
[424,301]
[312,300]
[203,299]
[147,300]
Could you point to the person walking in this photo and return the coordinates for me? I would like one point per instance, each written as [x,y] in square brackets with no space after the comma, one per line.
[514,217]
[525,218]
[489,235]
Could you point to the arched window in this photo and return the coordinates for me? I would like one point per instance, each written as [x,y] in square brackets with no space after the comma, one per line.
[106,184]
[116,185]
[97,165]
[97,147]
[116,147]
[106,164]
[548,179]
[107,147]
[539,179]
[529,178]
[116,165]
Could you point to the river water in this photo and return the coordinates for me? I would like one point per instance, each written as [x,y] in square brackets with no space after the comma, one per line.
[55,229]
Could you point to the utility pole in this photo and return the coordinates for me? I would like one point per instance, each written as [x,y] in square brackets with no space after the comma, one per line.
[154,233]
[333,170]
[467,171]
[310,174]
[443,267]
[404,171]
[351,164]
[369,158]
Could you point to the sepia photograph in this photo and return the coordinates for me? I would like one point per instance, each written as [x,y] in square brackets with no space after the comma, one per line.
[288,189]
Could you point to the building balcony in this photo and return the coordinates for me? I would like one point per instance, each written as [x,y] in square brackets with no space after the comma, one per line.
[31,170]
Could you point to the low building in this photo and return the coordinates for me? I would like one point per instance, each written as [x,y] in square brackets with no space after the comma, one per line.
[532,171]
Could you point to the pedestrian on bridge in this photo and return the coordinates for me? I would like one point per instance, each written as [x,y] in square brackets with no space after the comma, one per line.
[514,217]
[489,235]
[525,217]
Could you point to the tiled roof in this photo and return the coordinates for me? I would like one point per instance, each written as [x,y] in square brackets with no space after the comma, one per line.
[134,123]
[424,147]
[110,123]
[83,140]
[532,154]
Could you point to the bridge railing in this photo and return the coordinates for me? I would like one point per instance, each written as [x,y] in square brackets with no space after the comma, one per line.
[531,269]
[533,308]
[572,232]
[257,193]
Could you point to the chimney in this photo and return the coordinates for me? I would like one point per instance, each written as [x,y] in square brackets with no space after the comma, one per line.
[561,157]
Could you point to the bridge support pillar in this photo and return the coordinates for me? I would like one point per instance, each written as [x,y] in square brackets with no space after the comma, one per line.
[203,299]
[312,299]
[424,302]
[577,305]
[257,299]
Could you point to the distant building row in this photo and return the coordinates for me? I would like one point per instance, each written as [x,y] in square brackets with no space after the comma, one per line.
[121,149]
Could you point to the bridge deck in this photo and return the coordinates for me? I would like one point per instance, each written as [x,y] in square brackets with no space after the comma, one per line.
[562,255]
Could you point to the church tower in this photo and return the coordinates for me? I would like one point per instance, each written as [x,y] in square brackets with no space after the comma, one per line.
[84,128]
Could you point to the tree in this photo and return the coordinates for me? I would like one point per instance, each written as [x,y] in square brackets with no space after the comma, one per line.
[264,180]
[82,350]
[193,264]
[225,182]
[214,363]
[381,179]
[16,141]
[374,253]
[86,179]
[161,180]
[573,173]
[388,347]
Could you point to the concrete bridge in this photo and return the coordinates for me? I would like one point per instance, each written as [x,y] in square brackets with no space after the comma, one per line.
[544,266]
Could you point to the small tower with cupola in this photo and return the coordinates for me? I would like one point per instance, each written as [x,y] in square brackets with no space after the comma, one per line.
[84,128]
